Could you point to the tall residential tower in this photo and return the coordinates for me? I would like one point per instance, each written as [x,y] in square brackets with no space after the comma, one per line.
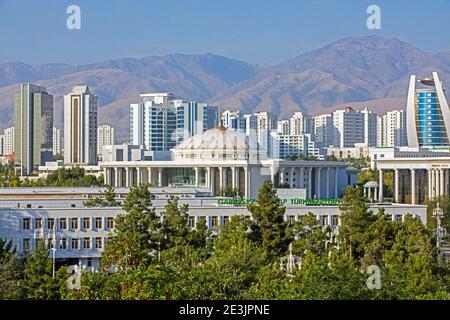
[33,122]
[80,126]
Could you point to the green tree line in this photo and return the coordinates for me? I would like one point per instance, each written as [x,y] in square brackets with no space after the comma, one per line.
[152,256]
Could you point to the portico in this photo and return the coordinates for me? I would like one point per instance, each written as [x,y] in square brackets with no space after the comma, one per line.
[221,160]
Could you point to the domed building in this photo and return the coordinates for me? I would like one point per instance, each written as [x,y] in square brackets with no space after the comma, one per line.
[220,159]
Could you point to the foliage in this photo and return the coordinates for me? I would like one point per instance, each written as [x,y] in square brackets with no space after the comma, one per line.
[269,227]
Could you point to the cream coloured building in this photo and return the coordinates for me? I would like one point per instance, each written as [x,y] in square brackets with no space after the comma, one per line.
[220,158]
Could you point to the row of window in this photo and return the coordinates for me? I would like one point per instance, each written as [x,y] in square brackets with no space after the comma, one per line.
[65,244]
[74,223]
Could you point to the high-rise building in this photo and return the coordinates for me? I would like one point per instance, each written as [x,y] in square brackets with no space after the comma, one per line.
[370,127]
[80,126]
[233,120]
[159,121]
[323,130]
[427,113]
[283,127]
[391,130]
[266,128]
[56,141]
[105,137]
[33,122]
[194,118]
[137,124]
[301,123]
[348,127]
[8,141]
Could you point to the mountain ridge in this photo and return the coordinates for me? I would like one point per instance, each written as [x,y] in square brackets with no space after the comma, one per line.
[360,71]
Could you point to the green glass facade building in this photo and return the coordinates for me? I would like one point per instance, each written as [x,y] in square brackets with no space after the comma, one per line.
[33,121]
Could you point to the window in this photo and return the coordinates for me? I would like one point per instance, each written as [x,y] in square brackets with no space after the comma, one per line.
[26,224]
[26,245]
[63,243]
[86,243]
[50,223]
[74,223]
[335,220]
[63,223]
[98,243]
[110,223]
[324,220]
[191,222]
[226,219]
[75,243]
[98,223]
[38,223]
[86,223]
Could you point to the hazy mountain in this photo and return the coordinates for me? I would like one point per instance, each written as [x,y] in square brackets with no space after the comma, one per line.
[118,82]
[369,71]
[347,71]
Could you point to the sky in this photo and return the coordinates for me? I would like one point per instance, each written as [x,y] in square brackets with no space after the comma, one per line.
[264,31]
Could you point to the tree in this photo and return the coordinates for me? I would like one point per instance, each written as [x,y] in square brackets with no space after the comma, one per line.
[11,272]
[269,227]
[135,236]
[409,264]
[310,236]
[39,283]
[356,218]
[108,200]
[174,230]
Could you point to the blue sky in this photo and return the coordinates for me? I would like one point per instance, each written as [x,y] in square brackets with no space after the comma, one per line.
[264,31]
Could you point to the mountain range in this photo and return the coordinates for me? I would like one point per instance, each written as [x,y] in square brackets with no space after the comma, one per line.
[367,71]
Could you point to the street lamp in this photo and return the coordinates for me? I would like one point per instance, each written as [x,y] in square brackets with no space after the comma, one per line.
[438,213]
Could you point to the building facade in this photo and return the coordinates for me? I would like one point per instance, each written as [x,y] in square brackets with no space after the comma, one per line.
[391,129]
[33,123]
[428,113]
[233,120]
[105,137]
[57,141]
[80,126]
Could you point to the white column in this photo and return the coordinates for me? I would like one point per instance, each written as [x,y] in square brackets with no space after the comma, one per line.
[336,191]
[375,194]
[318,170]
[138,176]
[380,183]
[441,180]
[127,177]
[160,177]
[208,177]
[433,183]
[272,176]
[247,183]
[116,177]
[196,177]
[413,186]
[430,185]
[282,178]
[396,186]
[120,177]
[105,175]
[328,183]
[233,178]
